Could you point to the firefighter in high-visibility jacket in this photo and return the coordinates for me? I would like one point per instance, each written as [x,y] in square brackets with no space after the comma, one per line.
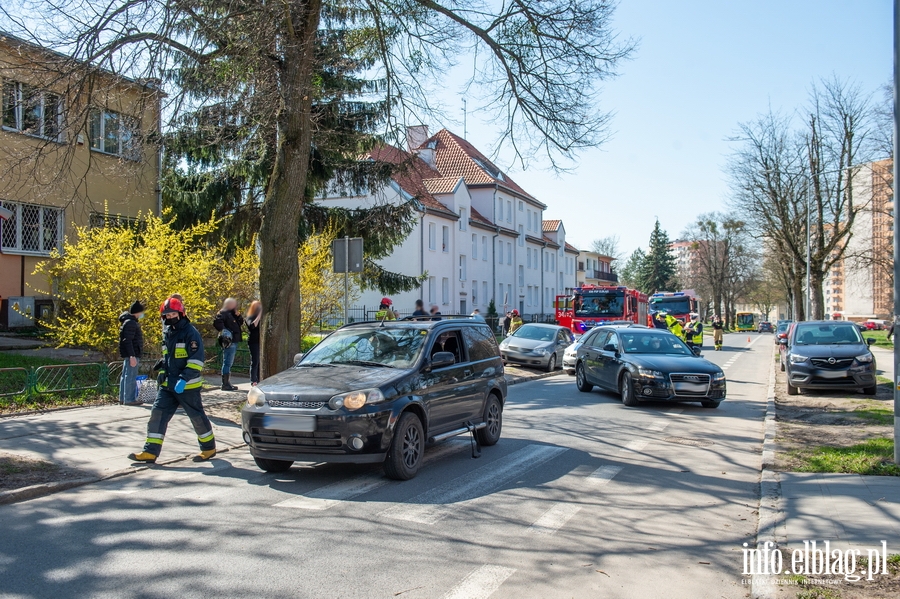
[672,323]
[693,333]
[180,381]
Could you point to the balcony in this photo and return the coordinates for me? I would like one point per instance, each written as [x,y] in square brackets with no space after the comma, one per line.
[609,277]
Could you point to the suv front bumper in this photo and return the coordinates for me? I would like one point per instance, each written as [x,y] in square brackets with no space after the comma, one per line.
[809,377]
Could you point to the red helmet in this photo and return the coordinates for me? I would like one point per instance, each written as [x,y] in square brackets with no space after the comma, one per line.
[172,305]
[386,301]
[515,312]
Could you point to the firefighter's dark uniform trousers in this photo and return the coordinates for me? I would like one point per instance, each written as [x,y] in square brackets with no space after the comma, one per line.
[183,355]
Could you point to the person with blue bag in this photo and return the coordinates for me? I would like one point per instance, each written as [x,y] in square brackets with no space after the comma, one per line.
[131,345]
[180,380]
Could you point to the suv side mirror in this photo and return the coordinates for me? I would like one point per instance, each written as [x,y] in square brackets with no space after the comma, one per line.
[442,359]
[871,341]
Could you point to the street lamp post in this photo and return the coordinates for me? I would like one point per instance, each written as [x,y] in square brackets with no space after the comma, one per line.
[808,242]
[896,382]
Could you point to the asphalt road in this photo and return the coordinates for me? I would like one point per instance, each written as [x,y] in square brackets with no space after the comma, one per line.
[582,497]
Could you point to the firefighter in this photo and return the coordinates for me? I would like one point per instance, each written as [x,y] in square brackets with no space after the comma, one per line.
[384,310]
[515,322]
[717,326]
[180,381]
[694,332]
[673,324]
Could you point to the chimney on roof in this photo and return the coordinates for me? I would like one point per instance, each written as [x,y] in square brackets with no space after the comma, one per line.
[416,136]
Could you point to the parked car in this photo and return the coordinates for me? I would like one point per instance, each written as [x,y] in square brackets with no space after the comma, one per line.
[646,364]
[874,325]
[571,354]
[377,393]
[765,327]
[533,344]
[782,330]
[829,354]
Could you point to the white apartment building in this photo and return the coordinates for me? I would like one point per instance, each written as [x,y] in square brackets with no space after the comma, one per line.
[480,236]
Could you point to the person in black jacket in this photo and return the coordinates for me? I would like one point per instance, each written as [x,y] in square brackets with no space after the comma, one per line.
[253,320]
[131,344]
[228,322]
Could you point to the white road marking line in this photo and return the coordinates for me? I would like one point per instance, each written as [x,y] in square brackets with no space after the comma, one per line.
[636,445]
[434,504]
[481,583]
[603,474]
[328,496]
[657,426]
[554,518]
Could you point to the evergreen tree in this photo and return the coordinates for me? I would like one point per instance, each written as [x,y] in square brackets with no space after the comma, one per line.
[657,271]
[630,273]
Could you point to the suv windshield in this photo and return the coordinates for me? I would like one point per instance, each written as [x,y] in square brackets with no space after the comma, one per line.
[535,333]
[643,343]
[376,346]
[827,334]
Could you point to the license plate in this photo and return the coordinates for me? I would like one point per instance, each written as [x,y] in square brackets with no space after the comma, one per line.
[691,387]
[294,424]
[831,374]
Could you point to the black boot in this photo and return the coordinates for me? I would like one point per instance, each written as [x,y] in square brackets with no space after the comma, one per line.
[226,383]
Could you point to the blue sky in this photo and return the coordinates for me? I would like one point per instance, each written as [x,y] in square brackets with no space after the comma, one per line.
[701,68]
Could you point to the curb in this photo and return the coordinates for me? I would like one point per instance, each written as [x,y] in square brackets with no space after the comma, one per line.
[769,511]
[44,489]
[510,381]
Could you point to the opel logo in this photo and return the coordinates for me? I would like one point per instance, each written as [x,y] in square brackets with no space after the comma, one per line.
[831,360]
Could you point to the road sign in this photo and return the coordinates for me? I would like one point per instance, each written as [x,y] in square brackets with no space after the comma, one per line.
[348,254]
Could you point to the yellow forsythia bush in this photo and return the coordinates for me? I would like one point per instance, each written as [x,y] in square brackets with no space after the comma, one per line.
[321,290]
[97,277]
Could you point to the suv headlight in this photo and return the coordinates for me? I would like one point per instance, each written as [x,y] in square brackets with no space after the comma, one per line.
[355,399]
[798,359]
[650,373]
[255,397]
[864,359]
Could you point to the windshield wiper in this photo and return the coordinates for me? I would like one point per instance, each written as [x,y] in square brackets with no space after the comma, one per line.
[313,365]
[364,363]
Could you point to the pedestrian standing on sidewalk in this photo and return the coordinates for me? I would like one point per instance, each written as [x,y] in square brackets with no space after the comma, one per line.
[515,322]
[476,315]
[228,322]
[179,386]
[504,324]
[420,309]
[718,331]
[435,312]
[253,320]
[131,345]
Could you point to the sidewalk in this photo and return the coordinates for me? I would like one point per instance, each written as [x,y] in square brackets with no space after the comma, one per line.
[884,360]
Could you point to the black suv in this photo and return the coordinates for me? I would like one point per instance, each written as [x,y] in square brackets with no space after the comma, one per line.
[829,354]
[377,392]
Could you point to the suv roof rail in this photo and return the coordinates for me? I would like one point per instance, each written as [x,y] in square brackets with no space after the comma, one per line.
[436,318]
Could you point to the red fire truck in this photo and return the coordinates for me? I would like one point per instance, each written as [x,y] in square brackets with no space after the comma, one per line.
[592,305]
[679,304]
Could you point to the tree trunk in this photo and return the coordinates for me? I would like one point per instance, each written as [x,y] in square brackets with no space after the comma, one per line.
[816,297]
[279,280]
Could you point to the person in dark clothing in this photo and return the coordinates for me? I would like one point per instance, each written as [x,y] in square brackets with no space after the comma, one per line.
[435,312]
[718,331]
[131,345]
[507,320]
[229,323]
[180,382]
[890,334]
[253,320]
[420,309]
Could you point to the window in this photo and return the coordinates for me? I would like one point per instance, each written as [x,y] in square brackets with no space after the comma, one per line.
[484,252]
[499,210]
[474,246]
[481,343]
[462,267]
[521,276]
[99,220]
[474,293]
[31,111]
[508,211]
[32,229]
[445,291]
[445,239]
[432,297]
[521,206]
[114,133]
[509,252]
[500,252]
[528,257]
[463,221]
[432,236]
[521,235]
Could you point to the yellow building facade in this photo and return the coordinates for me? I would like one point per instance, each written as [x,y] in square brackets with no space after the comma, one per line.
[77,145]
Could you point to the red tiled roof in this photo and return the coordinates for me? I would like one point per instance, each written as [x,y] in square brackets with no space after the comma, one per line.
[479,218]
[454,156]
[411,174]
[551,225]
[571,247]
[550,241]
[441,184]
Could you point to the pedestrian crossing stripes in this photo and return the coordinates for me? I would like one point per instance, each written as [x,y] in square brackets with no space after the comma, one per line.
[481,583]
[657,426]
[603,474]
[554,518]
[433,505]
[636,445]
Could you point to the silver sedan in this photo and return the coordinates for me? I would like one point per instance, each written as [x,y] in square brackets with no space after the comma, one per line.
[533,344]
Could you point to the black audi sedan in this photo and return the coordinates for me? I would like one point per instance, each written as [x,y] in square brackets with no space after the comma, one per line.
[646,364]
[829,354]
[376,392]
